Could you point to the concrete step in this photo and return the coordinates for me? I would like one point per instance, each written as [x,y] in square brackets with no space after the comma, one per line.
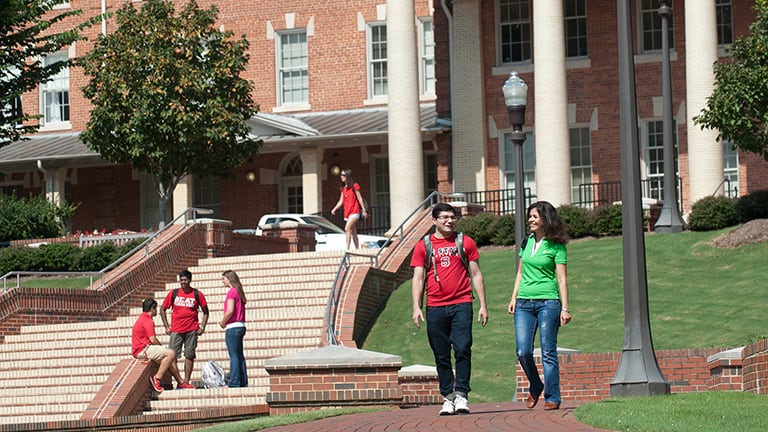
[9,418]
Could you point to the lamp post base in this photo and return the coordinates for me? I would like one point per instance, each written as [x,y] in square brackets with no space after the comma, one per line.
[639,389]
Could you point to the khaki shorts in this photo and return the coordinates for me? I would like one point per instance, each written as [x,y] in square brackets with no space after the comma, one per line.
[154,352]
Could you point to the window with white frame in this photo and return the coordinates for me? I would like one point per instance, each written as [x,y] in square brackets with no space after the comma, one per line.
[650,26]
[292,190]
[581,165]
[377,60]
[575,14]
[427,56]
[207,194]
[515,31]
[654,159]
[730,169]
[293,68]
[55,93]
[724,22]
[529,166]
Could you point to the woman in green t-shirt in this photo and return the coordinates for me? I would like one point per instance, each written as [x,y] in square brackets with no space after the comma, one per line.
[540,301]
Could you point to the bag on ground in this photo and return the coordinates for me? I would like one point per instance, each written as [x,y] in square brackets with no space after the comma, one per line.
[213,375]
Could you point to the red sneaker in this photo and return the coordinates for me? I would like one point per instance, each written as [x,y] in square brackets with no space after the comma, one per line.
[186,386]
[156,384]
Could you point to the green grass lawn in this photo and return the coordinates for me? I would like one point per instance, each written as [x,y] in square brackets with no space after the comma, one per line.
[58,282]
[699,296]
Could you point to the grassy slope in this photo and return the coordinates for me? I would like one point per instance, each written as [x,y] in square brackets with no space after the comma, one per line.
[699,296]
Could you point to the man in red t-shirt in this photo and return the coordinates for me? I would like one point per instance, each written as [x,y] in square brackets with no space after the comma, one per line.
[185,328]
[145,346]
[449,304]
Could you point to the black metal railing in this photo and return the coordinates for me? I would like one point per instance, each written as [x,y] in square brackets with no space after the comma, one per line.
[606,193]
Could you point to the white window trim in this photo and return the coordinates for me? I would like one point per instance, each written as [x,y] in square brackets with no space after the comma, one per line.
[281,106]
[423,93]
[499,60]
[46,126]
[373,99]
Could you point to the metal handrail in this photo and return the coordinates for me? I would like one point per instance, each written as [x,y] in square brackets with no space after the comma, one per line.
[341,271]
[103,272]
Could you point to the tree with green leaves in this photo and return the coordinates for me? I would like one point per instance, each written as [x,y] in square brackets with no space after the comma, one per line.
[25,37]
[167,95]
[738,108]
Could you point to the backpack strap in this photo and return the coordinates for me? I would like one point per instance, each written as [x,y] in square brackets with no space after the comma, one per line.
[175,292]
[429,259]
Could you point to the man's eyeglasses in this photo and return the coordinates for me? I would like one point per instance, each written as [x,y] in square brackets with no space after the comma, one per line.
[445,218]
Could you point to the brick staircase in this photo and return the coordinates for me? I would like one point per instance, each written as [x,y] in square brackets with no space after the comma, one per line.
[52,372]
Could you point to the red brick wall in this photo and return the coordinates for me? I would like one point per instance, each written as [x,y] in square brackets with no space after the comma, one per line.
[755,372]
[587,377]
[306,389]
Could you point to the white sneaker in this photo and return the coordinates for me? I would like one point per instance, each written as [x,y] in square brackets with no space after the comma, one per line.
[447,408]
[460,405]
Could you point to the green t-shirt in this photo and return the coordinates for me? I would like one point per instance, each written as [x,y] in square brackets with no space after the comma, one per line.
[539,279]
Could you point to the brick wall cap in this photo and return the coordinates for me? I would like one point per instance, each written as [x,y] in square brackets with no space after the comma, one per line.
[560,350]
[417,371]
[333,356]
[734,353]
[211,221]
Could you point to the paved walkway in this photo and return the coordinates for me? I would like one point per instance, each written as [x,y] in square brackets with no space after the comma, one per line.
[487,417]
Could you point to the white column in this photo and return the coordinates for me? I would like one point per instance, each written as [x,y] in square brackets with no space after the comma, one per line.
[311,179]
[468,149]
[183,196]
[705,154]
[406,167]
[553,155]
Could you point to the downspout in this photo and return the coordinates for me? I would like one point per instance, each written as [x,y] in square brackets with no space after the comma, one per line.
[104,17]
[449,17]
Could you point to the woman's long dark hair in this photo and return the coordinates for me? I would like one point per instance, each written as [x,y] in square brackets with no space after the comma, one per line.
[550,220]
[349,181]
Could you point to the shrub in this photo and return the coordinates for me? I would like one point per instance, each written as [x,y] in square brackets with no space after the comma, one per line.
[752,206]
[58,256]
[19,258]
[30,218]
[504,230]
[576,221]
[606,220]
[479,227]
[711,213]
[96,257]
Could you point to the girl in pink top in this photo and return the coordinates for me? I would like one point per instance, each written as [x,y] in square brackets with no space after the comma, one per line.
[352,201]
[234,323]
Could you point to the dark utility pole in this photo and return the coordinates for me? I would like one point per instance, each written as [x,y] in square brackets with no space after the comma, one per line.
[638,372]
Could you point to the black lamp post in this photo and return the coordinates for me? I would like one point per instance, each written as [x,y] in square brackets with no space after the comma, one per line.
[669,220]
[638,372]
[515,96]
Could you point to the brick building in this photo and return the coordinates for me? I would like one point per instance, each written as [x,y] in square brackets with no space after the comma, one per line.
[566,51]
[324,73]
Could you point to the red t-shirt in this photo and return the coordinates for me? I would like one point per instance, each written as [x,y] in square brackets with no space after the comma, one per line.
[351,205]
[454,286]
[142,331]
[184,312]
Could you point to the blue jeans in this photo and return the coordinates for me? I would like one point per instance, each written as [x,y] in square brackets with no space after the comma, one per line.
[238,374]
[451,326]
[543,315]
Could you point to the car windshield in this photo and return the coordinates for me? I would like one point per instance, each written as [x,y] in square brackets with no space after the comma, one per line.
[325,226]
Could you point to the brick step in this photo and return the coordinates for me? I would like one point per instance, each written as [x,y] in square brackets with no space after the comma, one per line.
[192,400]
[127,322]
[222,264]
[12,400]
[115,336]
[42,409]
[9,418]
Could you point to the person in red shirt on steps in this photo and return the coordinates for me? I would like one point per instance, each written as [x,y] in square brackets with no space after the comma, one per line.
[145,346]
[184,303]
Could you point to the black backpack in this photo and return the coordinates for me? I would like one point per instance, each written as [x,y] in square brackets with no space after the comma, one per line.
[194,290]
